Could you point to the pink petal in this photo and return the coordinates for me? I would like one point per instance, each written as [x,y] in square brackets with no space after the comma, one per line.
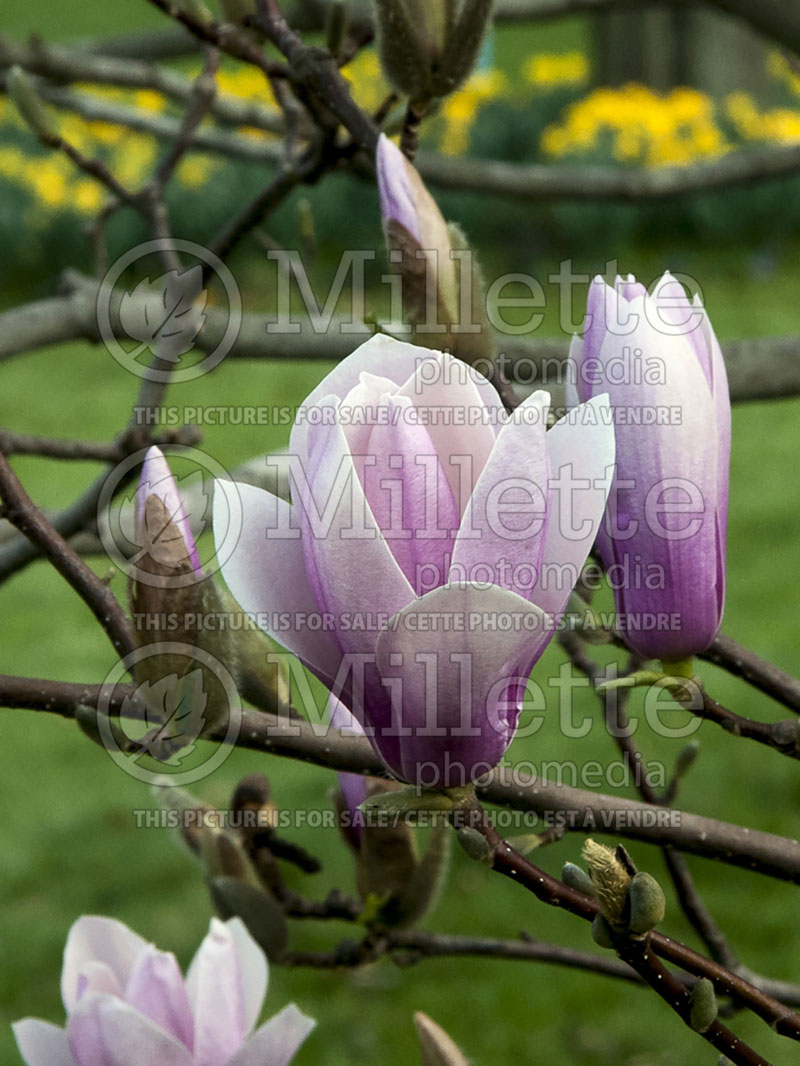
[42,1044]
[462,413]
[267,575]
[350,568]
[277,1041]
[450,658]
[104,1031]
[495,544]
[156,989]
[98,940]
[380,355]
[410,497]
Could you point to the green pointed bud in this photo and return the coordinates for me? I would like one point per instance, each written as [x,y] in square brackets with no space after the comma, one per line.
[647,903]
[704,1008]
[464,40]
[31,107]
[602,933]
[475,845]
[437,1047]
[576,878]
[406,46]
[262,915]
[610,878]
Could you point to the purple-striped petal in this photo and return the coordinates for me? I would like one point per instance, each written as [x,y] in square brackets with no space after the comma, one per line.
[104,1031]
[92,940]
[277,1041]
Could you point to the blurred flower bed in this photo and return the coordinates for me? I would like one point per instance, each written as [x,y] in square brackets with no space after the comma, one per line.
[542,113]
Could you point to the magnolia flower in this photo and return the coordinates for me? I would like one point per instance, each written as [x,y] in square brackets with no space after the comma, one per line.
[128,1004]
[163,534]
[430,547]
[663,542]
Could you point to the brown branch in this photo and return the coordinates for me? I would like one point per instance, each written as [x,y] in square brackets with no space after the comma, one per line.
[22,513]
[643,958]
[763,675]
[62,65]
[783,736]
[87,450]
[750,849]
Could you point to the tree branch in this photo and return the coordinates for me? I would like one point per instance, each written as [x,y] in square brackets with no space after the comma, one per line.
[22,513]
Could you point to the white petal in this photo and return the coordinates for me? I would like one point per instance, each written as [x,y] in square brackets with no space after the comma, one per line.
[268,576]
[277,1041]
[215,984]
[97,939]
[581,453]
[254,969]
[42,1044]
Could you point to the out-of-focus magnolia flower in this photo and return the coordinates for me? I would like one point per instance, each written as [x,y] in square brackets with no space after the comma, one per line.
[163,534]
[663,541]
[128,1004]
[430,546]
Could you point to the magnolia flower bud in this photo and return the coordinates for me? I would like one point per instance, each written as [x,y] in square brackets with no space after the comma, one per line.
[428,47]
[396,885]
[424,250]
[704,1008]
[663,540]
[610,879]
[31,107]
[647,903]
[437,1047]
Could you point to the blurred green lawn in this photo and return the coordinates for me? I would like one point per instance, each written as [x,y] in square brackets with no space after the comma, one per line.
[69,842]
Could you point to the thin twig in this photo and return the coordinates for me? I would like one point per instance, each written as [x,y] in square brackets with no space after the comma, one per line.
[22,513]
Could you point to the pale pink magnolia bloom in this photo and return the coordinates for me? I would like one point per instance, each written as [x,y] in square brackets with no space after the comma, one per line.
[421,516]
[128,1004]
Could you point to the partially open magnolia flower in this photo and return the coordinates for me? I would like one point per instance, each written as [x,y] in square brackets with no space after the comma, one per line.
[128,1004]
[430,547]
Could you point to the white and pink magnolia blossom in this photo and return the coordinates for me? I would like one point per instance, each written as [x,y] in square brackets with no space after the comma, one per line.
[663,542]
[431,545]
[128,1004]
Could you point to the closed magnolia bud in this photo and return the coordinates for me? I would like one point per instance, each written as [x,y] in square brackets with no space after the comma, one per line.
[263,916]
[647,903]
[31,106]
[577,878]
[464,40]
[704,1009]
[437,1047]
[602,934]
[410,43]
[610,879]
[475,845]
